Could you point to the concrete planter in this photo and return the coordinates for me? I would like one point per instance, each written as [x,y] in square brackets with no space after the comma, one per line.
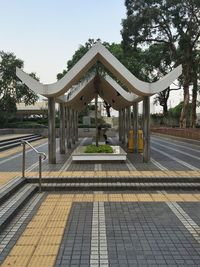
[118,155]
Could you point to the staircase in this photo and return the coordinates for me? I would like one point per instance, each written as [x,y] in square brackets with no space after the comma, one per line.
[13,142]
[117,183]
[13,197]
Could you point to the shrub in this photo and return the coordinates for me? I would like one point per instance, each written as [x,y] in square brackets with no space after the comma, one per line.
[98,149]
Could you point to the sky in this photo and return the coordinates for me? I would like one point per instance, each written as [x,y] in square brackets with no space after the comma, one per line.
[46,33]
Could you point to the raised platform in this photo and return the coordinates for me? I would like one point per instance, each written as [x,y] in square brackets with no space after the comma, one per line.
[118,155]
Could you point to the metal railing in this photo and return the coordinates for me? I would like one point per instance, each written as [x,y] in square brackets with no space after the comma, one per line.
[40,154]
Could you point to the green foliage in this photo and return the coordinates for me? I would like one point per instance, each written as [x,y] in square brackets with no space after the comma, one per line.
[8,108]
[176,111]
[26,125]
[174,24]
[12,91]
[98,149]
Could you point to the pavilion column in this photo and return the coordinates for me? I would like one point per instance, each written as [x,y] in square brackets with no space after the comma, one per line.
[68,127]
[128,122]
[146,128]
[126,126]
[135,126]
[62,128]
[123,126]
[76,119]
[73,126]
[51,131]
[120,125]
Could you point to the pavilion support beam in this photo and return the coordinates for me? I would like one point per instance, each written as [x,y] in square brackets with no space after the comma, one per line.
[97,139]
[73,126]
[68,130]
[51,131]
[146,129]
[123,126]
[120,125]
[62,128]
[70,125]
[135,126]
[76,125]
[128,122]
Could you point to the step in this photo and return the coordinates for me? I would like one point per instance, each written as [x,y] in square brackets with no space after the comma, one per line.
[118,186]
[10,188]
[17,225]
[12,205]
[17,138]
[116,179]
[9,144]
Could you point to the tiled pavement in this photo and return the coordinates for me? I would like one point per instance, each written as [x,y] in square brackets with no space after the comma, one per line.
[100,229]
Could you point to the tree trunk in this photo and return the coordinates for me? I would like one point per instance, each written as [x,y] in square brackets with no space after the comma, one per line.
[184,111]
[194,102]
[165,108]
[186,83]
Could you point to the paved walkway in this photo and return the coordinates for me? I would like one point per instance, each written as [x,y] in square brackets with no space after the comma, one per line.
[143,228]
[146,229]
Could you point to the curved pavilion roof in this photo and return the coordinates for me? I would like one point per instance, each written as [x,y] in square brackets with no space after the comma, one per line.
[83,92]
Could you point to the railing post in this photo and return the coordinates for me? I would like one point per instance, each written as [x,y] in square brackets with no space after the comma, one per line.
[40,172]
[23,159]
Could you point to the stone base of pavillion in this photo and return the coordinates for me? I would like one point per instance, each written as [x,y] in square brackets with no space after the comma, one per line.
[118,155]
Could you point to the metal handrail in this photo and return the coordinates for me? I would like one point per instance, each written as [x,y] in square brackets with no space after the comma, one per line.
[41,155]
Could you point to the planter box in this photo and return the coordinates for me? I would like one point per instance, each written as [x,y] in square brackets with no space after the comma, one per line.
[79,155]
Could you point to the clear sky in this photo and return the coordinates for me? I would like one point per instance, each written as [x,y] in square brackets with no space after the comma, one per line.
[46,33]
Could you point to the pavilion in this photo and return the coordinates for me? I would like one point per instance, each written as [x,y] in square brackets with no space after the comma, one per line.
[76,89]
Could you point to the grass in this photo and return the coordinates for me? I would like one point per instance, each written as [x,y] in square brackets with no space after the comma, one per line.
[98,149]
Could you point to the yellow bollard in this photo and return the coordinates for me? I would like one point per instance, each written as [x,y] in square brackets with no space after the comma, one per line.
[140,141]
[130,141]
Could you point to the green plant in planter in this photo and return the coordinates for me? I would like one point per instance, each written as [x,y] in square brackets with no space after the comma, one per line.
[98,149]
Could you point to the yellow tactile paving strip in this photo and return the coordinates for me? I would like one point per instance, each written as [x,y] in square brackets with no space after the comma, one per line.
[7,176]
[74,174]
[40,242]
[15,150]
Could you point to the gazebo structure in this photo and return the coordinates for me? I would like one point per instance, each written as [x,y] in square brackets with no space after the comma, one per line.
[75,90]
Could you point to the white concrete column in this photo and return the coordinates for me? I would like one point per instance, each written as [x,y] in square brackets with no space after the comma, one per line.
[135,126]
[146,128]
[62,128]
[51,131]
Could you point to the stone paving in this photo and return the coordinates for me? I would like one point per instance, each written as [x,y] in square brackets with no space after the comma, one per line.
[100,229]
[142,228]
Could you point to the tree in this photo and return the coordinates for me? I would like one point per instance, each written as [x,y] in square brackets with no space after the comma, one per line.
[12,91]
[195,89]
[173,23]
[176,111]
[158,64]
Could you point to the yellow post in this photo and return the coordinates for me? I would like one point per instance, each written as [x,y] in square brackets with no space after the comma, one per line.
[130,141]
[140,141]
